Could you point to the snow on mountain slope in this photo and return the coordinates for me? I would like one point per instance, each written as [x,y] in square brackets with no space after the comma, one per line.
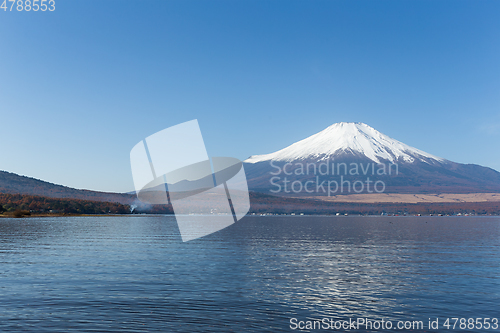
[357,138]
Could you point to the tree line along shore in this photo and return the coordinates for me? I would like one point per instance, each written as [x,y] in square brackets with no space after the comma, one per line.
[19,205]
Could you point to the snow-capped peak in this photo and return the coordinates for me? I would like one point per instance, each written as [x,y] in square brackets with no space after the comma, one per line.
[348,137]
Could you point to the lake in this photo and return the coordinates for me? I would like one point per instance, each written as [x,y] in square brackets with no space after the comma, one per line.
[262,274]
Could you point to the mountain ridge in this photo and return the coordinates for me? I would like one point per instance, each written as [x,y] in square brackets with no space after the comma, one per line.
[360,144]
[418,171]
[12,183]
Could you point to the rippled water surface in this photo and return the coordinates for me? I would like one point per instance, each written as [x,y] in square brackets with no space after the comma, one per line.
[134,274]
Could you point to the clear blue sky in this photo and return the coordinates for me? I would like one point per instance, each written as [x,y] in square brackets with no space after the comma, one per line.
[80,86]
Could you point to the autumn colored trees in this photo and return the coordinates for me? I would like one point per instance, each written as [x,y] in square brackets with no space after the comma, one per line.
[38,204]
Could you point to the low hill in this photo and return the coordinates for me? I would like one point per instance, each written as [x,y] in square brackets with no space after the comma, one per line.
[12,183]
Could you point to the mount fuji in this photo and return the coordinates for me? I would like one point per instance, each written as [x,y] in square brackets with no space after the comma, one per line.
[355,152]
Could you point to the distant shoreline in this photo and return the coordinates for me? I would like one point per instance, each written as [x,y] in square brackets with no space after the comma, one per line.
[10,215]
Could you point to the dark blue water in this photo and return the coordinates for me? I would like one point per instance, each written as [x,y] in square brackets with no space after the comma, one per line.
[133,274]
